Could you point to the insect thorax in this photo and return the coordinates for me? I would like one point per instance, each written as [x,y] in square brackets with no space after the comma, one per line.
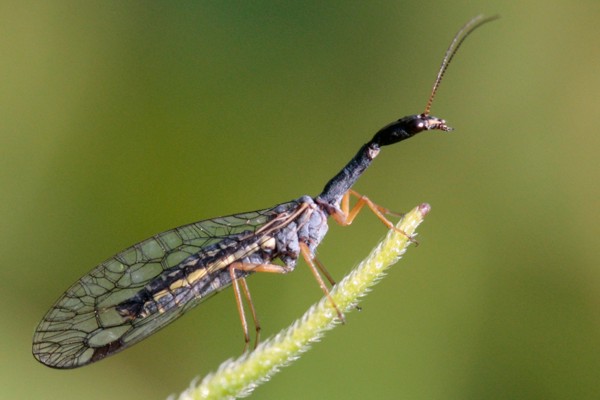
[309,227]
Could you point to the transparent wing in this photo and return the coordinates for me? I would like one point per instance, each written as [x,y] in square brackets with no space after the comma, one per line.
[85,324]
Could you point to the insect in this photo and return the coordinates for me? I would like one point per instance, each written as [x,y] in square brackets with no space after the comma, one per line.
[148,285]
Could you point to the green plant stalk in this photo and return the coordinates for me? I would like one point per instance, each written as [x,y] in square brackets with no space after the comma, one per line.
[236,378]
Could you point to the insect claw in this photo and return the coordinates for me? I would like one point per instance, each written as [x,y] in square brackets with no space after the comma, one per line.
[409,237]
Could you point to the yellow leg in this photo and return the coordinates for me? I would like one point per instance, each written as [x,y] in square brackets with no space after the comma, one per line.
[248,267]
[311,263]
[348,214]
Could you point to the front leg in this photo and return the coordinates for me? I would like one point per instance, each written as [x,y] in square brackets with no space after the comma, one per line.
[345,215]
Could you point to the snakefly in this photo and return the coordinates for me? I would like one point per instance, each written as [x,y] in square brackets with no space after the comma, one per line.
[138,291]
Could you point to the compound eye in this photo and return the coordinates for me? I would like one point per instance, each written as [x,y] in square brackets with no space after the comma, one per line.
[417,125]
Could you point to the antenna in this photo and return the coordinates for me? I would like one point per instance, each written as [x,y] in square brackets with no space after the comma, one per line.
[452,49]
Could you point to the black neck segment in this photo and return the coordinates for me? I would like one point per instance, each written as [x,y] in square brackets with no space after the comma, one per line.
[395,132]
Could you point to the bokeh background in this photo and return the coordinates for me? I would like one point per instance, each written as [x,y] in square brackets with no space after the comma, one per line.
[120,120]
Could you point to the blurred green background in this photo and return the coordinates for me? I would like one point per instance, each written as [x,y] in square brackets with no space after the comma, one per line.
[120,120]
